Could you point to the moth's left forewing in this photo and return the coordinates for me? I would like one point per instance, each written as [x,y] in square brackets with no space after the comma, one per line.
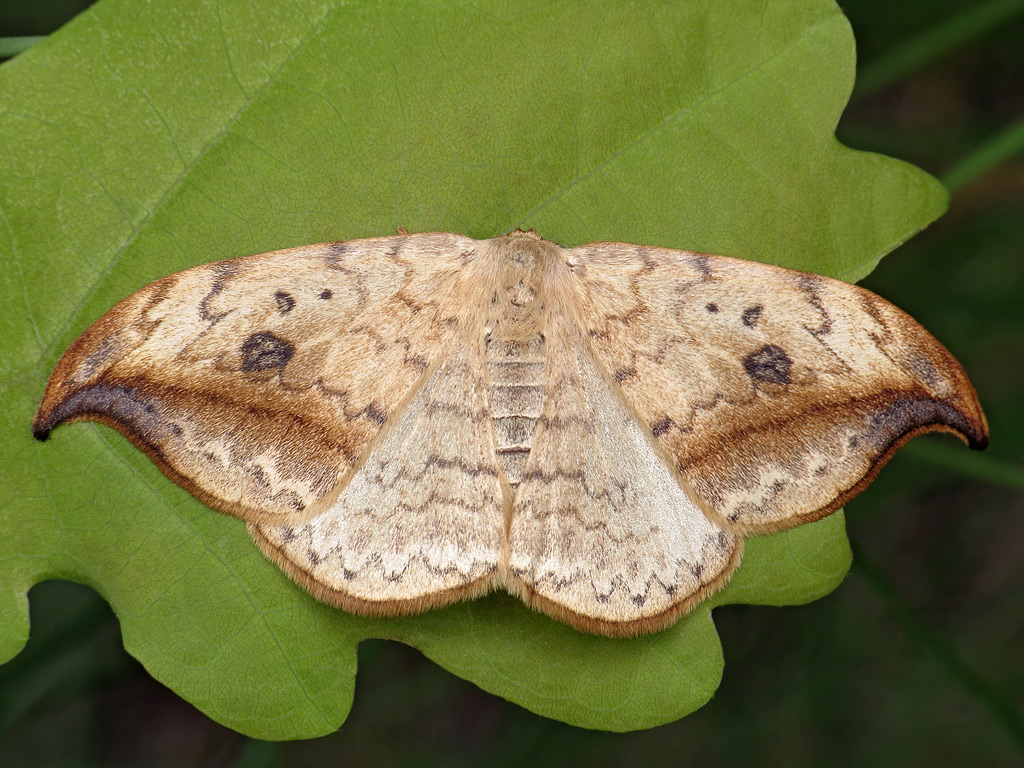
[259,383]
[778,393]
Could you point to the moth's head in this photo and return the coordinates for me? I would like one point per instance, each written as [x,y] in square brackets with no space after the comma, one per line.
[530,234]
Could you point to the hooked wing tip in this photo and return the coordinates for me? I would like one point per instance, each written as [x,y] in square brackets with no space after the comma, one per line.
[43,422]
[978,438]
[908,416]
[968,420]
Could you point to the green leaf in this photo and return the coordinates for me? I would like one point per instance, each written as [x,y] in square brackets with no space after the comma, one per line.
[143,139]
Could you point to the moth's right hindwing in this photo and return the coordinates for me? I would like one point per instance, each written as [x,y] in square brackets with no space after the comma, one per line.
[604,533]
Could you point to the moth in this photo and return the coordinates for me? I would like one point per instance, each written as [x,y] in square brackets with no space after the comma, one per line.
[408,421]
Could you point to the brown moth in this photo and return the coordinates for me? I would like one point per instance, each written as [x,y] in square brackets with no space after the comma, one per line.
[412,420]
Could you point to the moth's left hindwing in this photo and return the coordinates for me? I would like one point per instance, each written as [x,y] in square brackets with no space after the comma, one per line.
[422,521]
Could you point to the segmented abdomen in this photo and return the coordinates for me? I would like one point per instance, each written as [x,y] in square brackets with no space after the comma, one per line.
[516,371]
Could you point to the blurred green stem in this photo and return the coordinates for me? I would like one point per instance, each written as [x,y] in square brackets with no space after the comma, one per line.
[918,629]
[997,150]
[933,43]
[12,46]
[954,458]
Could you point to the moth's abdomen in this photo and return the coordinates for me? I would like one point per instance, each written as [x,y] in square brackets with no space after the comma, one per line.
[516,373]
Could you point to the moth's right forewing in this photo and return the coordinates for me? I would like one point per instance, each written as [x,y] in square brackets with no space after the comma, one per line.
[259,383]
[779,394]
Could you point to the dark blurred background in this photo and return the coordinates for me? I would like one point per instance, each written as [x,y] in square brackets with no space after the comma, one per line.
[916,660]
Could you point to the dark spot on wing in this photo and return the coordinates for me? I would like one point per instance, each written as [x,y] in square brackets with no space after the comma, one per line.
[702,265]
[265,351]
[770,363]
[374,415]
[712,307]
[751,315]
[661,427]
[621,374]
[336,249]
[259,476]
[326,294]
[285,302]
[314,558]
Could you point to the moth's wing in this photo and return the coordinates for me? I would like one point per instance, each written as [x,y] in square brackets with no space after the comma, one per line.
[258,383]
[779,394]
[605,535]
[422,522]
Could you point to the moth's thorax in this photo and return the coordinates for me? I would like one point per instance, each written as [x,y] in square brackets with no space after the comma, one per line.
[515,344]
[522,266]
